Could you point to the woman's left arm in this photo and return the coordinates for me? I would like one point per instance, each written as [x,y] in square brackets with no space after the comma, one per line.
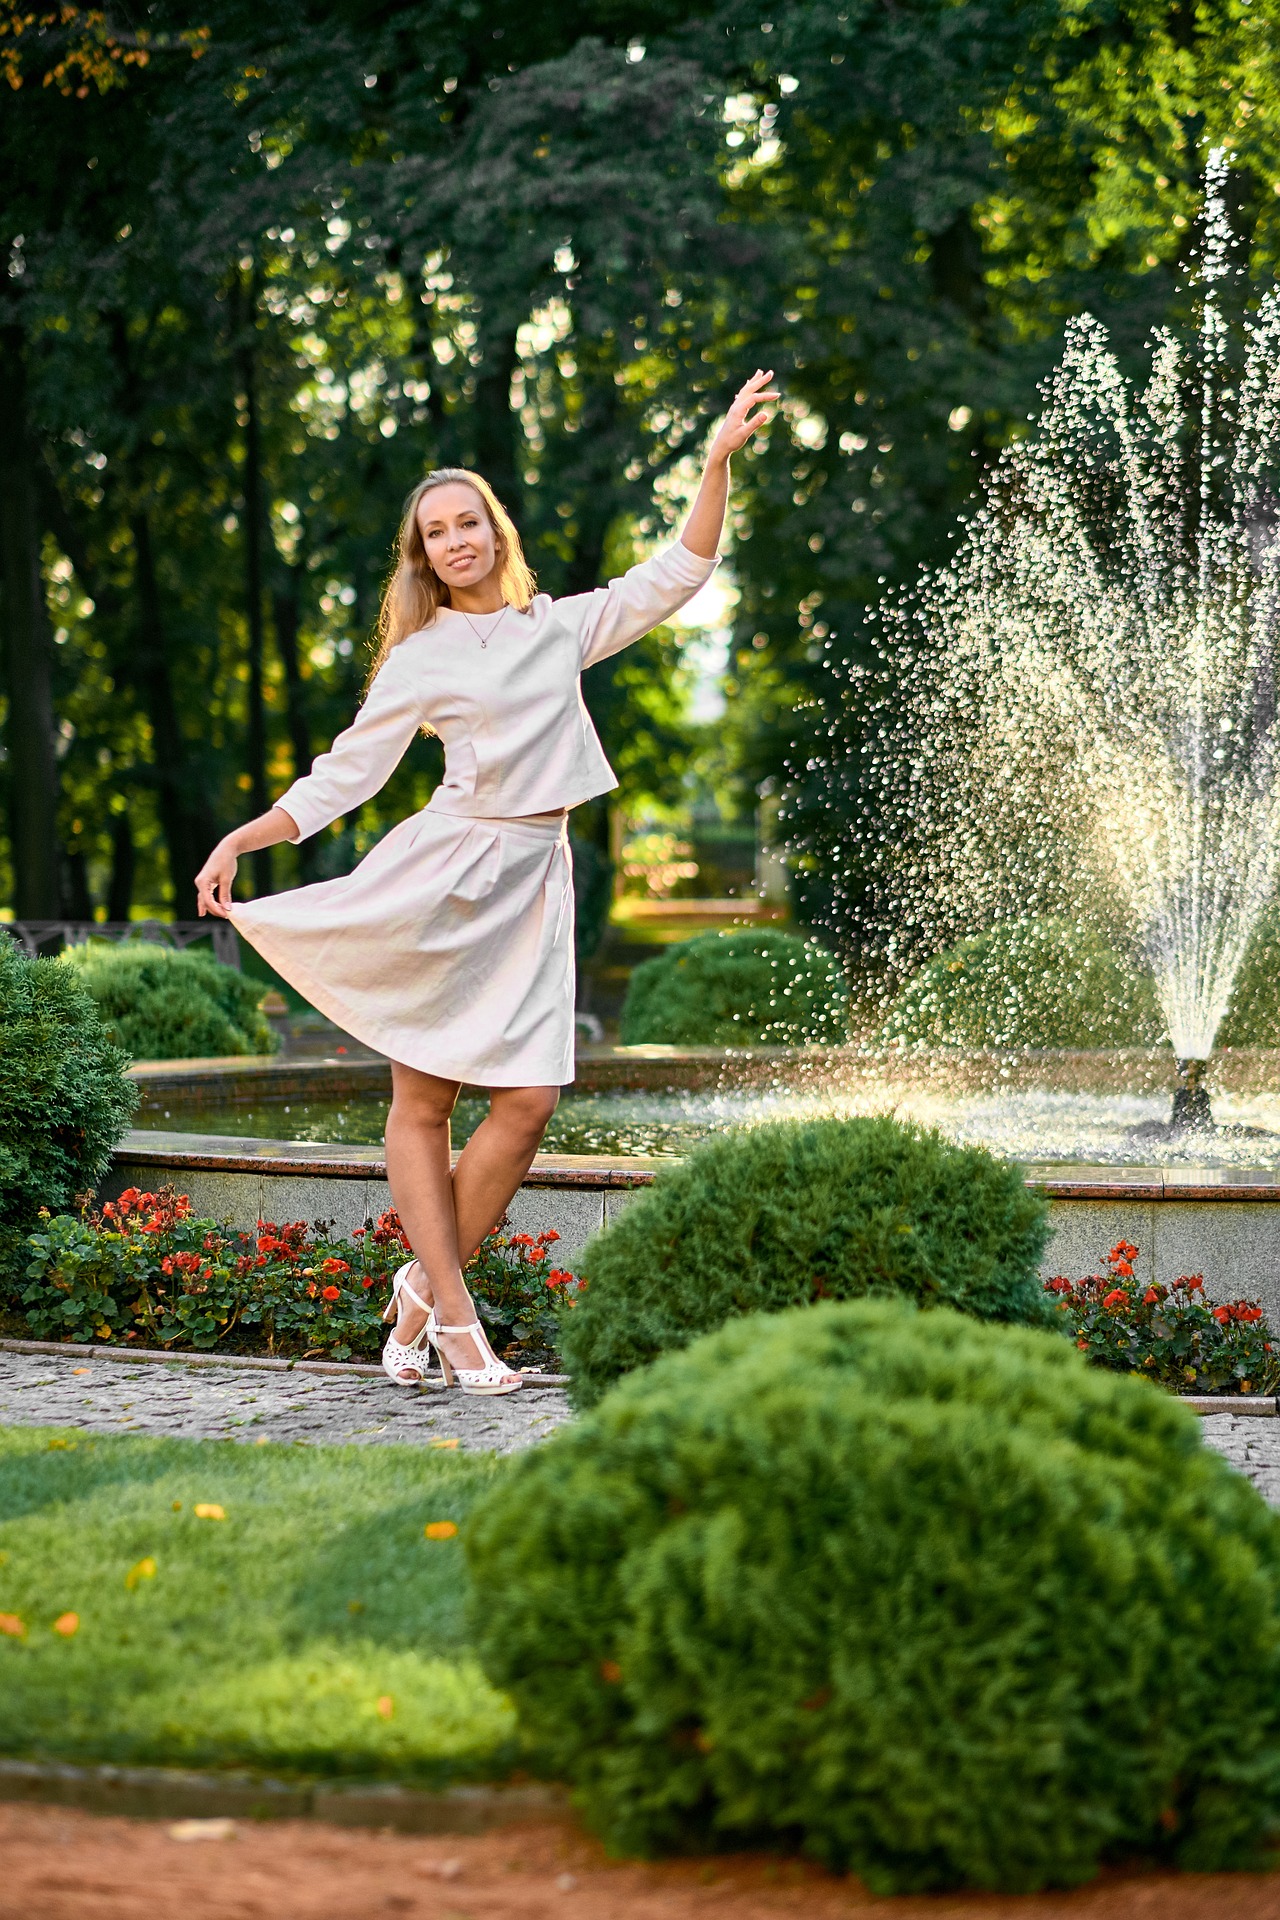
[701,531]
[612,617]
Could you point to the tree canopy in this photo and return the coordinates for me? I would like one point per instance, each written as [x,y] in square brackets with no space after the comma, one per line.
[267,265]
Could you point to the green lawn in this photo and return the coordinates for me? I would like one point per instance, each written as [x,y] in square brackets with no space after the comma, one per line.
[314,1629]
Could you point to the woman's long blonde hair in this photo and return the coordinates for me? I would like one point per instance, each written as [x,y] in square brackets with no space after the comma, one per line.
[415,591]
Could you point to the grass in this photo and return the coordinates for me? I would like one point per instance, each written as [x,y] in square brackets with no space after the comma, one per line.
[313,1630]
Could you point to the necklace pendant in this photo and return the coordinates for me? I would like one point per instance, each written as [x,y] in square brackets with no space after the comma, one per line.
[484,643]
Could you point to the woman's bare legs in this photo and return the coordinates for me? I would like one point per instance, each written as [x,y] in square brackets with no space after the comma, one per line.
[445,1218]
[496,1159]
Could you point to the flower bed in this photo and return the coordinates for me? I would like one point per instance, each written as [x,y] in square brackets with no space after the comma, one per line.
[144,1269]
[1172,1334]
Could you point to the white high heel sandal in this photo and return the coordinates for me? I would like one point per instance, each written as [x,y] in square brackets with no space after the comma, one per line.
[399,1357]
[492,1377]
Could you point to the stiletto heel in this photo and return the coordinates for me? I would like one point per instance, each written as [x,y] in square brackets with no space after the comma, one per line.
[400,1357]
[491,1378]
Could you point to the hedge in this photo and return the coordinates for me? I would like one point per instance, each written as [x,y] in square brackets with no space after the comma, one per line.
[1027,983]
[774,1216]
[161,1004]
[932,1600]
[64,1097]
[752,986]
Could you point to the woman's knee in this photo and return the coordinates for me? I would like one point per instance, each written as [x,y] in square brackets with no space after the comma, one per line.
[524,1110]
[421,1098]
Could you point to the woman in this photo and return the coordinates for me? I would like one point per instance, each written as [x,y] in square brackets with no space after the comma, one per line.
[450,947]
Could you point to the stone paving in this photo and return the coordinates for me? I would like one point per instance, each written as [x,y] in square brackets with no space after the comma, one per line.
[1250,1443]
[249,1403]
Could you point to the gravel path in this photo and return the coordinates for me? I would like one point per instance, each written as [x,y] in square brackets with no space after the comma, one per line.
[248,1403]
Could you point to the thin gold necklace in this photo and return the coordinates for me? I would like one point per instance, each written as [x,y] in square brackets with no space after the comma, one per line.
[482,637]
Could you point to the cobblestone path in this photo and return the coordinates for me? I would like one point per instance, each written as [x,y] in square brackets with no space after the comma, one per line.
[249,1403]
[1250,1443]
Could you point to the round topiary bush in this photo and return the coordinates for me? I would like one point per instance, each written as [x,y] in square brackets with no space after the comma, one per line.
[161,1004]
[1027,983]
[64,1097]
[776,1216]
[750,987]
[932,1600]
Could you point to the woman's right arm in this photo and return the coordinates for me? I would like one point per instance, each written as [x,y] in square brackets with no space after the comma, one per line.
[360,762]
[215,878]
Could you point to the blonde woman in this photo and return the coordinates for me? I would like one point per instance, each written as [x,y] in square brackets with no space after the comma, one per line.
[450,947]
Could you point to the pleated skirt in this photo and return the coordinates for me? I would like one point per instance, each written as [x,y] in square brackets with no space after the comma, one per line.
[449,948]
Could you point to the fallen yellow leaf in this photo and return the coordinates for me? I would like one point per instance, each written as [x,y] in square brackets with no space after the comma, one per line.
[217,1829]
[144,1570]
[440,1529]
[445,1446]
[209,1510]
[66,1624]
[82,1369]
[10,1624]
[385,1707]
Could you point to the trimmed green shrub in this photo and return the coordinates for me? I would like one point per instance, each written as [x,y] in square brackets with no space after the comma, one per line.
[161,1004]
[1027,983]
[780,1215]
[749,987]
[934,1601]
[64,1097]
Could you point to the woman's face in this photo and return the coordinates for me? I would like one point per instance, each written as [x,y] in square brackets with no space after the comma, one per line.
[457,535]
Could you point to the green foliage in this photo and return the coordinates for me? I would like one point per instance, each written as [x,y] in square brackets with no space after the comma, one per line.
[161,1004]
[934,1601]
[779,1215]
[263,1640]
[64,1097]
[1027,983]
[749,987]
[1173,1334]
[143,1268]
[1253,1018]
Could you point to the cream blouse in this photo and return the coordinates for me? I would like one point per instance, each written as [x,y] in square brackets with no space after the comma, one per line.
[503,692]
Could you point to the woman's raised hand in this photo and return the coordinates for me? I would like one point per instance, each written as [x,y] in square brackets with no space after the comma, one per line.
[749,411]
[214,881]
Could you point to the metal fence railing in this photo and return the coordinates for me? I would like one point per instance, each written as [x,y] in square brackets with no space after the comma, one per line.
[51,936]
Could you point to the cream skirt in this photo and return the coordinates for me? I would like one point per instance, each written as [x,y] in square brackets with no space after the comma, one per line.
[450,948]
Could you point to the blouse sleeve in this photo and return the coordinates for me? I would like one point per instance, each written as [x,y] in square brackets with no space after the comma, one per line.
[629,607]
[361,759]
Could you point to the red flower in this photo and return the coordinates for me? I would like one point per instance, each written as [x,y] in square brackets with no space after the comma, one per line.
[332,1265]
[521,1240]
[1060,1284]
[367,1282]
[548,1237]
[331,1293]
[312,1289]
[1116,1299]
[1192,1282]
[559,1277]
[1150,1298]
[1222,1315]
[1123,1268]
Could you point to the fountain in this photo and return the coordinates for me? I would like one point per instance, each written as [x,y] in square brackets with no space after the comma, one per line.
[1092,726]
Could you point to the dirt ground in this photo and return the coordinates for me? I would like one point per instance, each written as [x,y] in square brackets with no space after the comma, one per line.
[61,1865]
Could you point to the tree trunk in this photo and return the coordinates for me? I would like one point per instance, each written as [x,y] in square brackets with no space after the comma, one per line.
[496,426]
[33,765]
[123,862]
[286,610]
[185,818]
[253,529]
